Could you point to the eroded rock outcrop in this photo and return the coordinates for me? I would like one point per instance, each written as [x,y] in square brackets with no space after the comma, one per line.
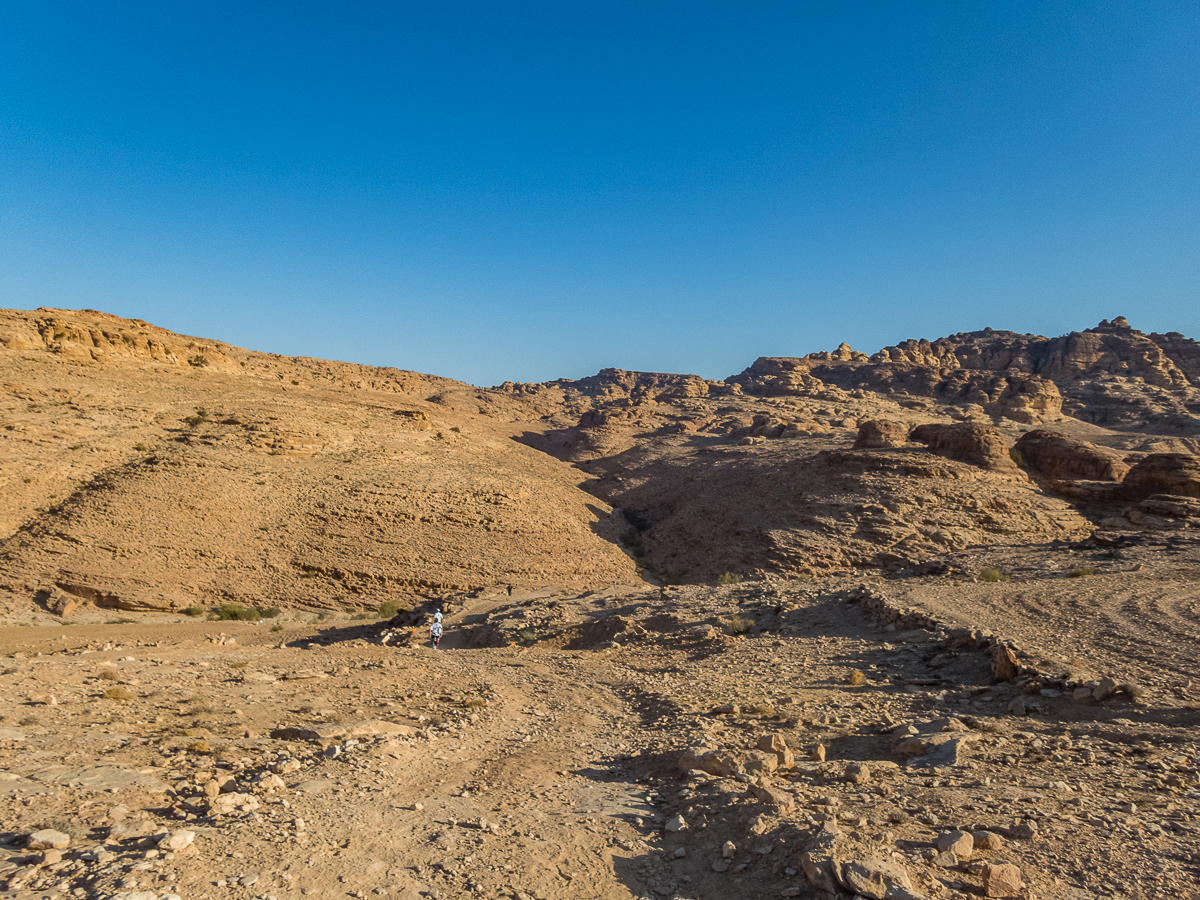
[1056,457]
[1164,473]
[978,445]
[881,433]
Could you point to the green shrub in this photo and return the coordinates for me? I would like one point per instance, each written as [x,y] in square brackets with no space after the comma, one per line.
[277,628]
[1081,572]
[527,636]
[730,578]
[236,612]
[194,611]
[993,575]
[271,612]
[140,448]
[389,608]
[739,625]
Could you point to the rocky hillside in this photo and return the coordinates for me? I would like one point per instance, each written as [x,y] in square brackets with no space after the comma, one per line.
[147,470]
[1111,375]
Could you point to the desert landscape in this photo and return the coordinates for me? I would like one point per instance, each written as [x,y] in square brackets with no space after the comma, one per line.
[915,624]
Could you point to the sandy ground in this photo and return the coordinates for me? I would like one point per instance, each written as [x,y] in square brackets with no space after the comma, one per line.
[551,770]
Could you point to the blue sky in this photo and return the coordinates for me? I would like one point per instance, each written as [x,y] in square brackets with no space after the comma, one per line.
[533,190]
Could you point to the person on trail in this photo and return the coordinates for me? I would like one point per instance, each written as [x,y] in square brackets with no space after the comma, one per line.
[435,630]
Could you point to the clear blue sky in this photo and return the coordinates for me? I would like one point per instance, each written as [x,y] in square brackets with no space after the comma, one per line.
[532,190]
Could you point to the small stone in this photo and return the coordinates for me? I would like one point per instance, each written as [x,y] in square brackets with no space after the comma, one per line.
[680,852]
[961,843]
[773,796]
[818,753]
[858,773]
[775,743]
[676,824]
[47,839]
[1017,707]
[988,840]
[1002,880]
[175,841]
[1024,831]
[946,859]
[728,850]
[720,866]
[268,783]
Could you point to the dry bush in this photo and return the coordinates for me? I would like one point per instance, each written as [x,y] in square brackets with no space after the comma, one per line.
[739,625]
[856,678]
[119,693]
[993,575]
[108,675]
[1081,572]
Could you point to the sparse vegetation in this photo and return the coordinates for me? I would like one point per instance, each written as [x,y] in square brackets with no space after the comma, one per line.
[740,625]
[1081,572]
[140,448]
[119,694]
[993,575]
[236,612]
[271,612]
[527,636]
[1134,691]
[389,608]
[765,710]
[28,721]
[856,678]
[194,611]
[108,675]
[277,628]
[198,747]
[898,817]
[729,578]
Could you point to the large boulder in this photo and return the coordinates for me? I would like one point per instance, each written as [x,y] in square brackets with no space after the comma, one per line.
[881,433]
[978,445]
[1164,473]
[1056,457]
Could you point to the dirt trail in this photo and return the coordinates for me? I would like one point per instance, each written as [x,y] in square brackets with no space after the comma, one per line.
[552,773]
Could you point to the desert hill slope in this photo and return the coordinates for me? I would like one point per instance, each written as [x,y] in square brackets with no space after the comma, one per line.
[148,470]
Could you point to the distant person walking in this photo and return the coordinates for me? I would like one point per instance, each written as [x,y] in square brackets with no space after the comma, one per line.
[435,630]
